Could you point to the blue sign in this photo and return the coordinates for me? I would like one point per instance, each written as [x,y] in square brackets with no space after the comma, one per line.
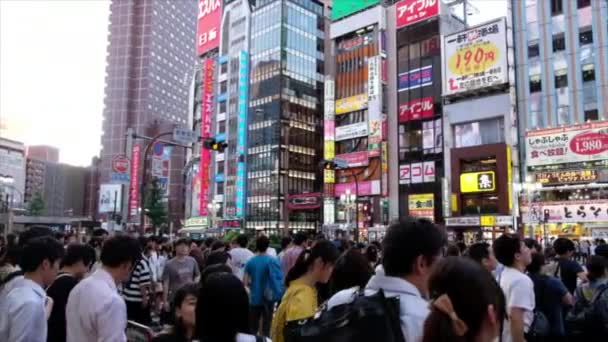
[158,148]
[220,137]
[223,59]
[241,142]
[222,97]
[240,189]
[120,177]
[416,78]
[219,177]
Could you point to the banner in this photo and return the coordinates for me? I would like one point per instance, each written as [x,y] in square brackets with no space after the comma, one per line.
[351,131]
[384,164]
[570,177]
[134,186]
[329,128]
[422,205]
[351,104]
[329,149]
[416,173]
[478,182]
[373,77]
[476,58]
[206,113]
[567,212]
[415,78]
[417,109]
[241,142]
[208,28]
[110,198]
[366,188]
[355,159]
[571,144]
[413,11]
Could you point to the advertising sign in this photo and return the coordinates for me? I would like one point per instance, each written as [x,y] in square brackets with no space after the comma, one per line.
[208,28]
[478,181]
[351,131]
[351,104]
[412,11]
[567,212]
[571,144]
[241,143]
[304,201]
[120,164]
[329,149]
[354,43]
[415,78]
[329,176]
[567,177]
[343,8]
[416,173]
[329,211]
[422,205]
[476,58]
[329,127]
[110,198]
[134,186]
[384,161]
[373,77]
[355,159]
[417,109]
[366,188]
[206,113]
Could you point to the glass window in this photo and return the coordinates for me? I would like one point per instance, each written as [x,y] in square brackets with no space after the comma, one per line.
[559,44]
[557,7]
[585,37]
[219,188]
[582,3]
[410,139]
[591,115]
[533,51]
[561,81]
[220,167]
[481,132]
[589,75]
[535,84]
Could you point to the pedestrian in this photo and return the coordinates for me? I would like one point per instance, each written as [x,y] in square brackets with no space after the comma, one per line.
[482,253]
[263,277]
[75,265]
[183,311]
[218,246]
[467,305]
[411,249]
[564,267]
[314,266]
[218,257]
[222,310]
[137,291]
[551,296]
[533,245]
[240,256]
[371,253]
[197,253]
[452,250]
[352,269]
[25,309]
[293,252]
[217,268]
[518,288]
[285,244]
[95,311]
[9,262]
[180,270]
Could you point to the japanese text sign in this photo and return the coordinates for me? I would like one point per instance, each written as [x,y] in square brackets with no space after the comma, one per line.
[566,177]
[478,181]
[422,205]
[476,58]
[351,104]
[417,109]
[567,212]
[206,113]
[415,173]
[134,186]
[208,29]
[413,11]
[415,78]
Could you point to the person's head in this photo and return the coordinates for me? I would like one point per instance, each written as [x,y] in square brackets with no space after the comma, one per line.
[262,243]
[537,263]
[79,258]
[462,247]
[371,253]
[10,256]
[60,236]
[218,246]
[152,243]
[564,247]
[352,269]
[596,267]
[184,309]
[299,239]
[217,258]
[212,269]
[452,250]
[318,262]
[41,257]
[511,251]
[602,250]
[483,254]
[182,247]
[285,242]
[533,245]
[32,233]
[242,240]
[222,309]
[410,250]
[208,242]
[468,304]
[119,254]
[101,234]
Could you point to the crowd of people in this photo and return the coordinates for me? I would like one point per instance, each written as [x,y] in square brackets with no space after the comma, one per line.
[54,288]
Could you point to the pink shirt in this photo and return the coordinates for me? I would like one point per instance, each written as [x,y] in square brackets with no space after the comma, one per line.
[290,257]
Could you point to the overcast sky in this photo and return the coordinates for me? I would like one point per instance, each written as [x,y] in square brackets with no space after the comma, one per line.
[52,69]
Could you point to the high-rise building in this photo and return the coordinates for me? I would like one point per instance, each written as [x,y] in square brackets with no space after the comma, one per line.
[12,172]
[150,60]
[43,152]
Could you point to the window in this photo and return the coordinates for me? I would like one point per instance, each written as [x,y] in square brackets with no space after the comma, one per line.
[489,131]
[561,81]
[219,188]
[557,7]
[223,107]
[221,127]
[583,3]
[585,37]
[591,115]
[559,44]
[589,75]
[533,51]
[220,167]
[535,84]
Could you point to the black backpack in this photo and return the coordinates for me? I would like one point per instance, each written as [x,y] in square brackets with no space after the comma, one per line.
[366,318]
[586,319]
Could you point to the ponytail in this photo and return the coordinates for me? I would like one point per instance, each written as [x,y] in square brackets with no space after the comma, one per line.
[323,249]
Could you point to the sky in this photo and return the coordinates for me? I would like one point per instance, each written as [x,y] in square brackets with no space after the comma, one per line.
[52,70]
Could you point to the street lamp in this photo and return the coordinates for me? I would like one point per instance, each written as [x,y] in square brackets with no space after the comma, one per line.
[350,202]
[213,207]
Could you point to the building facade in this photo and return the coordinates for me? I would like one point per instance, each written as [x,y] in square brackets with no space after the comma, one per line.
[43,152]
[12,172]
[150,59]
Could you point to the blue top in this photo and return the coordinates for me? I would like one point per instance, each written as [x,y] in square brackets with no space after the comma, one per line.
[549,292]
[257,270]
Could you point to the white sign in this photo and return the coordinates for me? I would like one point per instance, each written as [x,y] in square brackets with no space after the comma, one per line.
[475,58]
[416,173]
[110,198]
[351,131]
[463,221]
[373,77]
[329,211]
[185,136]
[567,212]
[571,144]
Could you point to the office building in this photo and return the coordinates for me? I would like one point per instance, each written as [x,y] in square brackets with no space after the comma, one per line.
[12,172]
[43,152]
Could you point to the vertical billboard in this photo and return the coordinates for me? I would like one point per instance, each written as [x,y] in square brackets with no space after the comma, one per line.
[241,143]
[476,58]
[208,28]
[206,113]
[134,186]
[110,198]
[412,11]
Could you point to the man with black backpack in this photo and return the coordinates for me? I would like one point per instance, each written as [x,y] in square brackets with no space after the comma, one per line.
[564,267]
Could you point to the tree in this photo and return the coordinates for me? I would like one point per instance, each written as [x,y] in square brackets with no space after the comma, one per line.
[154,207]
[36,205]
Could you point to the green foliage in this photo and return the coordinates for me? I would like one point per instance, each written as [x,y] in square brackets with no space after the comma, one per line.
[36,205]
[231,235]
[156,209]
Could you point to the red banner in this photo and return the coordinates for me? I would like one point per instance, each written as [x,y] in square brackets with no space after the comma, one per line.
[208,29]
[413,11]
[417,109]
[134,186]
[206,113]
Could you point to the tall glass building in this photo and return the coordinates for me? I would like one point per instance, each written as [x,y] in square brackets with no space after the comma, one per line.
[285,115]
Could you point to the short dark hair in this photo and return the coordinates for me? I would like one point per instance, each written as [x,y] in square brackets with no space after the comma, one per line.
[285,242]
[596,267]
[563,246]
[262,243]
[182,241]
[532,244]
[300,238]
[505,248]
[217,257]
[78,252]
[99,232]
[217,245]
[118,250]
[602,250]
[538,261]
[407,240]
[351,269]
[215,268]
[242,240]
[32,233]
[479,251]
[39,249]
[452,250]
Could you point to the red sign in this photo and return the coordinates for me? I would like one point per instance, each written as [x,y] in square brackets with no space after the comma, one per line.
[134,186]
[304,201]
[208,30]
[355,159]
[206,113]
[417,109]
[590,143]
[120,164]
[413,11]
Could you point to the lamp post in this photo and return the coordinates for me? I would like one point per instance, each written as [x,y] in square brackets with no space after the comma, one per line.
[349,201]
[213,207]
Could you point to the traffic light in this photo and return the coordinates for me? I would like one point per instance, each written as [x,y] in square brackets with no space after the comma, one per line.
[212,144]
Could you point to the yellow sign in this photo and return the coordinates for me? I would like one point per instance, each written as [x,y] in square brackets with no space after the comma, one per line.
[329,176]
[329,149]
[351,104]
[197,221]
[474,58]
[454,203]
[510,177]
[422,205]
[478,181]
[488,221]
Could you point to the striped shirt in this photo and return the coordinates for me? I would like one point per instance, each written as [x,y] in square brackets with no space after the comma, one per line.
[140,277]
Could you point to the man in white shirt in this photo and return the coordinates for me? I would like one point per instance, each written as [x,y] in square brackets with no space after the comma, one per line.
[26,307]
[240,256]
[95,311]
[411,251]
[512,252]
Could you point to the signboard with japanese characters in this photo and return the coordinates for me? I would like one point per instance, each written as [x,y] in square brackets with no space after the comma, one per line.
[373,77]
[351,104]
[416,173]
[417,109]
[412,11]
[567,177]
[415,78]
[351,131]
[571,144]
[208,29]
[355,159]
[478,181]
[475,58]
[422,205]
[567,212]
